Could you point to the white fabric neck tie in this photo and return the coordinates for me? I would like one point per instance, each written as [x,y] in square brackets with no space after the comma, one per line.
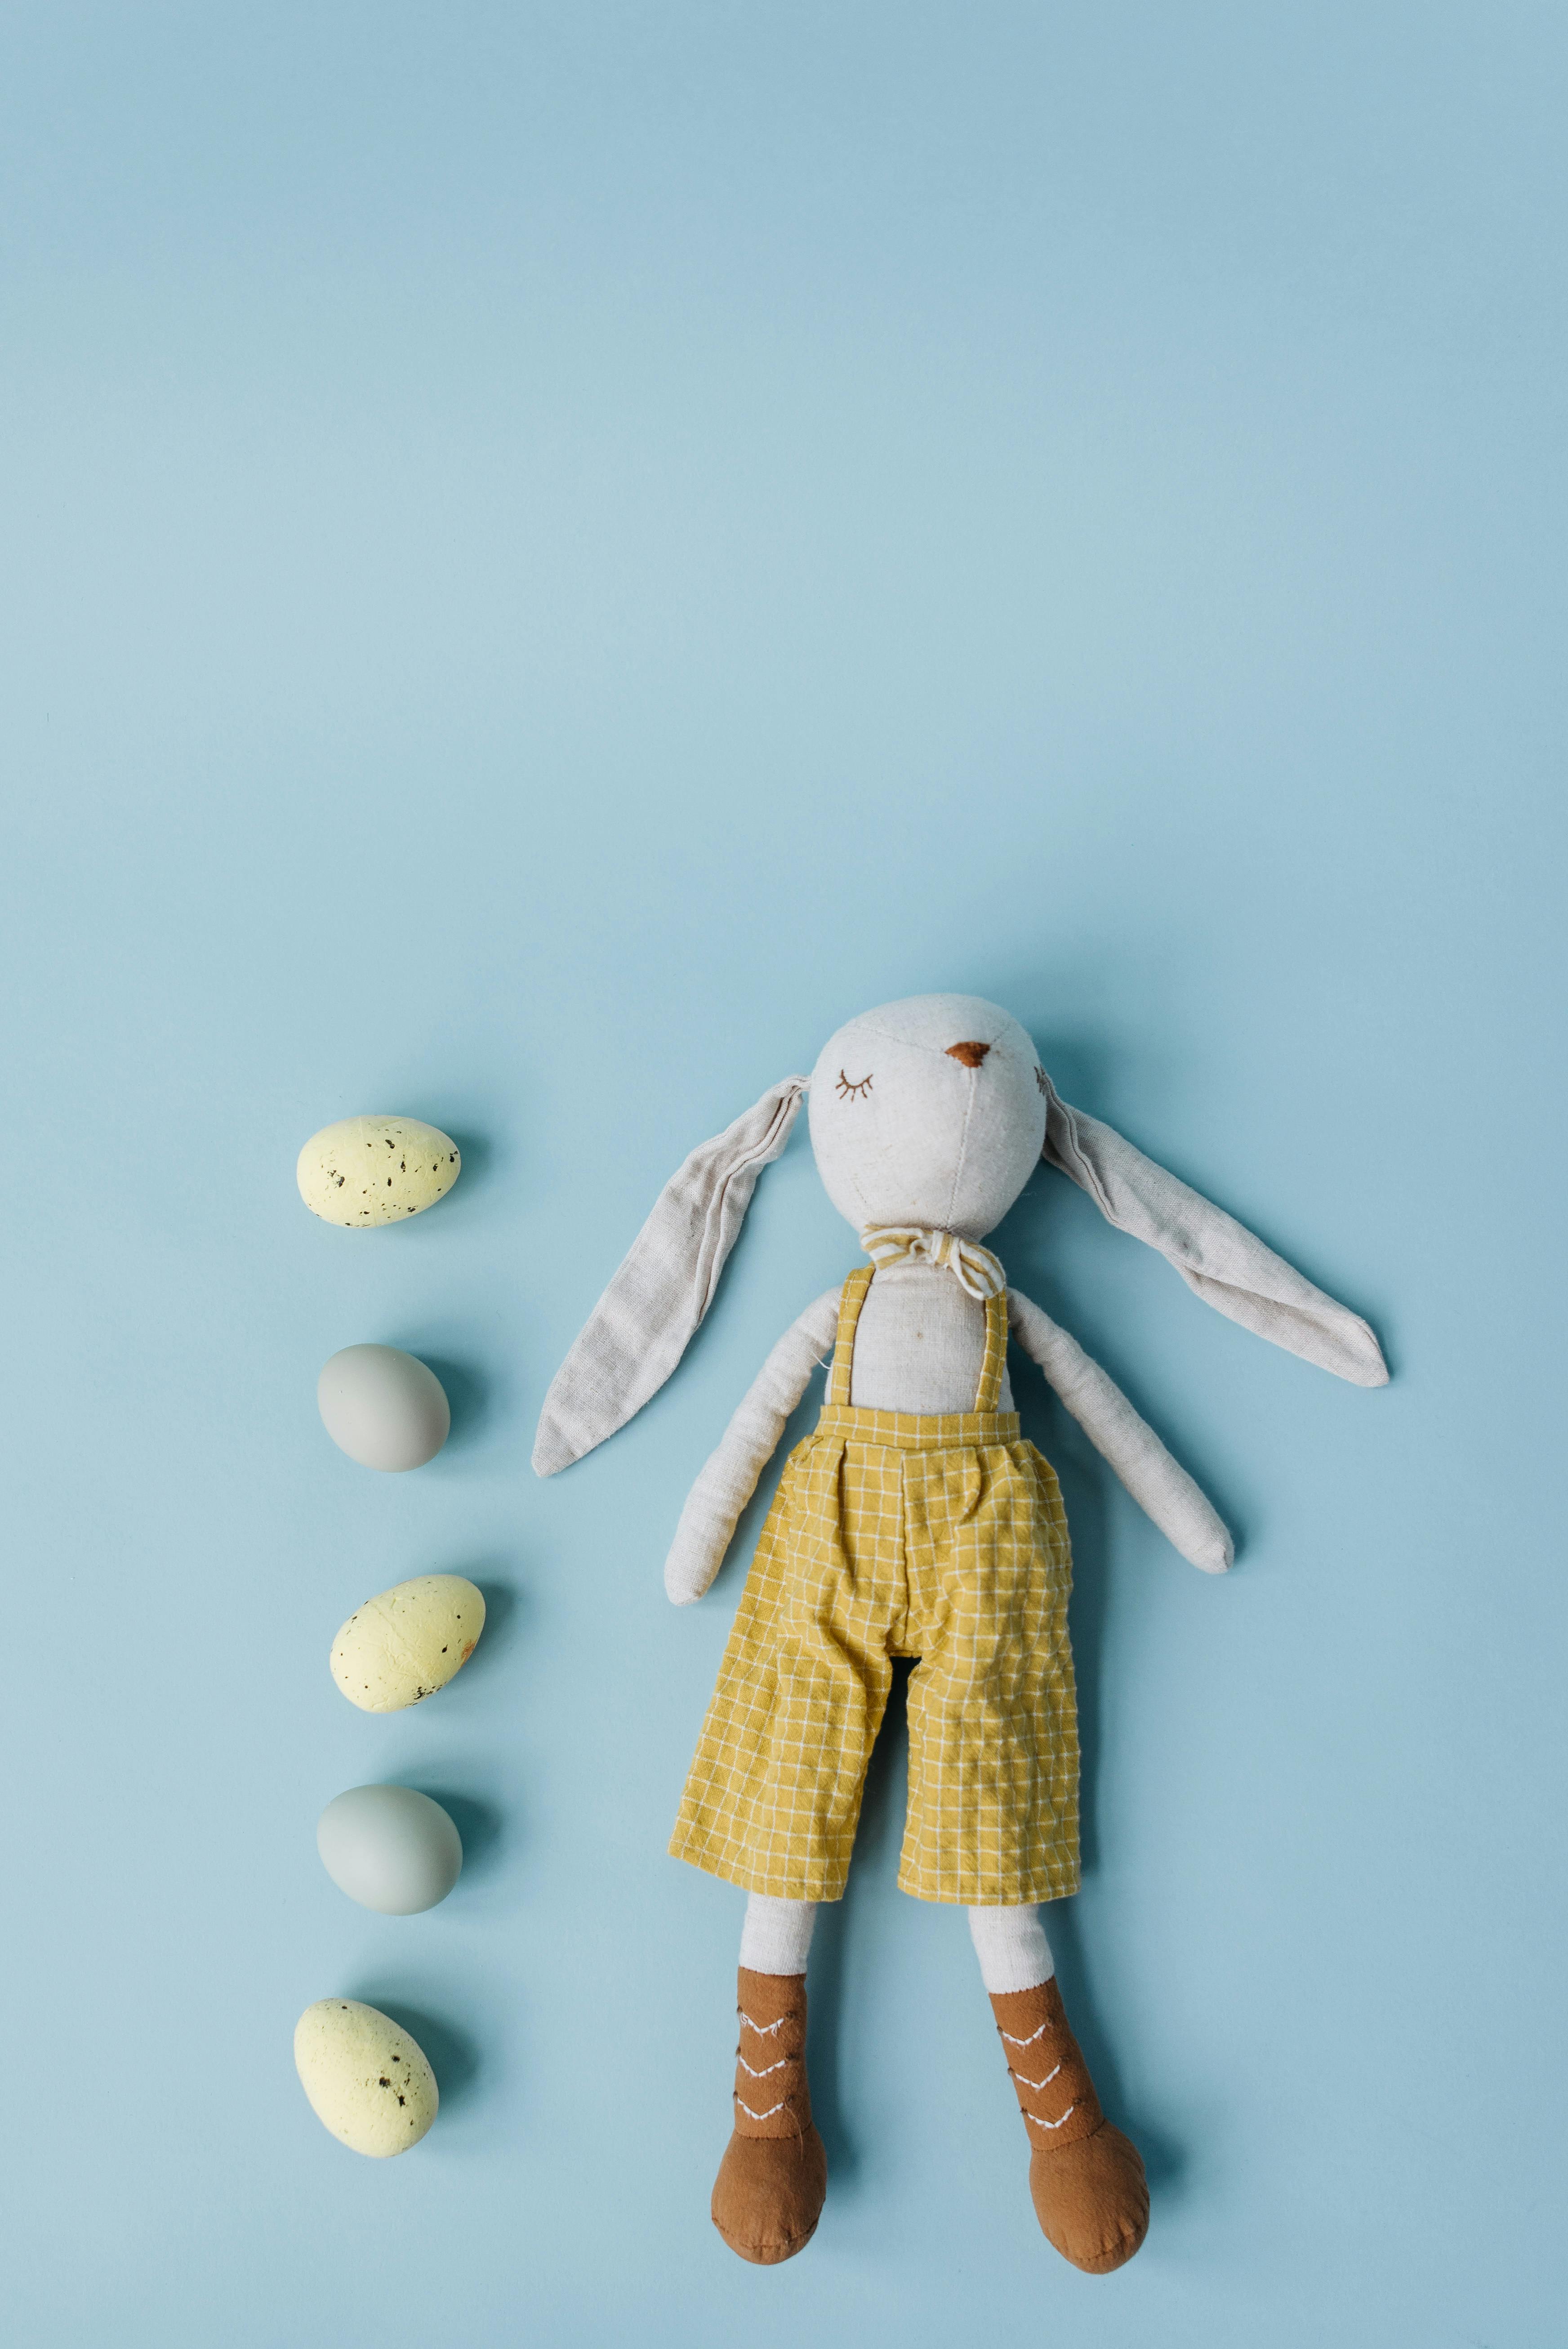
[974,1267]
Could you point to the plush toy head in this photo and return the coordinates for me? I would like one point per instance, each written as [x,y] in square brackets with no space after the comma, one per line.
[930,1111]
[933,1113]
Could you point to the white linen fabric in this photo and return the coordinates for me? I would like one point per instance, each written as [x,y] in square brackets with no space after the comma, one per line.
[1220,1261]
[927,1118]
[919,1346]
[776,1937]
[642,1325]
[974,1267]
[920,1343]
[904,1131]
[1010,1943]
[1160,1484]
[1012,1948]
[729,1478]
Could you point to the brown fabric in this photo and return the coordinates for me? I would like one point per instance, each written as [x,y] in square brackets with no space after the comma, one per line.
[1086,2178]
[1056,2094]
[970,1054]
[772,2097]
[1091,2200]
[768,2196]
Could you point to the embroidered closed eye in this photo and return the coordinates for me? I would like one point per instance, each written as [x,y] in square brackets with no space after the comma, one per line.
[852,1088]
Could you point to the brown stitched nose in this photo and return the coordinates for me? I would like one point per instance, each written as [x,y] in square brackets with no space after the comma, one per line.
[970,1054]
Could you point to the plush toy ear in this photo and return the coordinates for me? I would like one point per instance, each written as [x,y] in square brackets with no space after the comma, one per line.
[644,1322]
[1228,1266]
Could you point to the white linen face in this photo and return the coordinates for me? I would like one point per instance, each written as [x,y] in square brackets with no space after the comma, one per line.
[905,1132]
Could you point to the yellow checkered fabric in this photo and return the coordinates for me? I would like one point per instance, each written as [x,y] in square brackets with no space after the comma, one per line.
[895,1534]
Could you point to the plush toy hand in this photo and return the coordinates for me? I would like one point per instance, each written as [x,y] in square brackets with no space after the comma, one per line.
[1159,1485]
[695,1556]
[713,1504]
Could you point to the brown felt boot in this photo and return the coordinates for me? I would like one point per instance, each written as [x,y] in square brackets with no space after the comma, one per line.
[1086,2177]
[768,2196]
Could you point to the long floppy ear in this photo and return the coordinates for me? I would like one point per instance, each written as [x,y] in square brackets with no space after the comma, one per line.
[644,1322]
[1226,1265]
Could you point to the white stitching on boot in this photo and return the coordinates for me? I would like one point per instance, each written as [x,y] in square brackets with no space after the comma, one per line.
[1018,2076]
[1007,2036]
[783,2060]
[1035,2116]
[763,2030]
[779,2107]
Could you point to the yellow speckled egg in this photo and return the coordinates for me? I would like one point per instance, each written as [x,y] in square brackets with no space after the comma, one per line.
[409,1642]
[376,1170]
[368,2082]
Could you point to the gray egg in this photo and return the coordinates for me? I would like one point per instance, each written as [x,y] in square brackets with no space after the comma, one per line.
[389,1848]
[383,1408]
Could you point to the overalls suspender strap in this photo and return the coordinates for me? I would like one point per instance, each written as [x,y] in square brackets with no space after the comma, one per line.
[994,1368]
[853,1295]
[851,1299]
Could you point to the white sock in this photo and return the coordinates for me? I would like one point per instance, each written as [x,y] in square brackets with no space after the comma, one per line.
[776,1934]
[1012,1948]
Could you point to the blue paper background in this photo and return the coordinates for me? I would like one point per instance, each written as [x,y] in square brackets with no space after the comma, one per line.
[551,555]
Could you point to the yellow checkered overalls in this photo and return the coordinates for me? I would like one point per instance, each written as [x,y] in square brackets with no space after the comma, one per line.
[899,1534]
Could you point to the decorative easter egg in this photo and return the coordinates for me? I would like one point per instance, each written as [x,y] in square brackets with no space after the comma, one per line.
[376,1170]
[368,2082]
[409,1642]
[383,1408]
[389,1848]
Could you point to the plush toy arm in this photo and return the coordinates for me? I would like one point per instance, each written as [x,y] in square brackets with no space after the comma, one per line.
[713,1506]
[1161,1488]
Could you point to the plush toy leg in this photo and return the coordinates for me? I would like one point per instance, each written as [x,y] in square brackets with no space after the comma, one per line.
[1012,1948]
[768,2196]
[1086,2177]
[776,1937]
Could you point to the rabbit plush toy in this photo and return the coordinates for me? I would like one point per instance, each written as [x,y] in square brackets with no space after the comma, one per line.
[911,1522]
